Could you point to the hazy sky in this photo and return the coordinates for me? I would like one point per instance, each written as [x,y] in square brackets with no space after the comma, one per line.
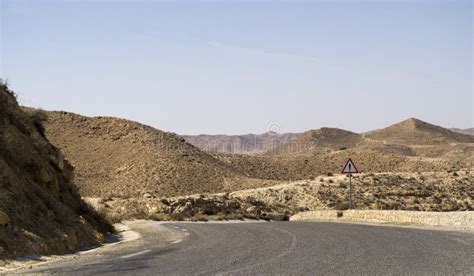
[237,67]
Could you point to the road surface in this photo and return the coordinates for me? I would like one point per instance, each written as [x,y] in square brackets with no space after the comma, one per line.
[278,247]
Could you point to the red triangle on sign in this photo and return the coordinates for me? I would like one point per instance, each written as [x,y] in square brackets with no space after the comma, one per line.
[350,167]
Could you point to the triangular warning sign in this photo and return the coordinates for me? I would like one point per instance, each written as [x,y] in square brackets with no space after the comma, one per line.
[350,167]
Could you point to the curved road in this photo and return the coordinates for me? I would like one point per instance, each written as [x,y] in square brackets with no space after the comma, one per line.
[280,247]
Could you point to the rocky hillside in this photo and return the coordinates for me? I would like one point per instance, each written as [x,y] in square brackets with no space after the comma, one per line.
[46,213]
[416,132]
[120,158]
[250,143]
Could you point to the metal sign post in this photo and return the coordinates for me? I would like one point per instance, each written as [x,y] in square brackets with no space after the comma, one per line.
[350,191]
[349,169]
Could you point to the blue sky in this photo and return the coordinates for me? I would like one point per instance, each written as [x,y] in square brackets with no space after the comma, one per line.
[239,67]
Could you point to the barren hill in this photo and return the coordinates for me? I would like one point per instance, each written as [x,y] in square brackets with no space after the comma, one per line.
[417,132]
[120,158]
[410,146]
[320,141]
[46,213]
[250,143]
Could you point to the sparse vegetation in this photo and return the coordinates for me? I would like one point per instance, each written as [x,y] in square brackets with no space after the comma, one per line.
[400,191]
[4,87]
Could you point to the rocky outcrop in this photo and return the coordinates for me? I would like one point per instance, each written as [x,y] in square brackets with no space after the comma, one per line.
[46,214]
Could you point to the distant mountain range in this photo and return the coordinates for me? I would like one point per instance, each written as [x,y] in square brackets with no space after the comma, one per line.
[249,143]
[410,132]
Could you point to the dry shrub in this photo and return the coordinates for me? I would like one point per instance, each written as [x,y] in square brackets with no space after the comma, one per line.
[159,217]
[199,217]
[39,117]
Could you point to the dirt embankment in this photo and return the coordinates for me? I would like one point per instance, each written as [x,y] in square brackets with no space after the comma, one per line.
[46,213]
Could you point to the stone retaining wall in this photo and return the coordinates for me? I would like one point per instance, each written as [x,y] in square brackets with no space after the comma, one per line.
[463,220]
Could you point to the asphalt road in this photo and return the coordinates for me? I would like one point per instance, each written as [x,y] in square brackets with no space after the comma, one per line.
[280,248]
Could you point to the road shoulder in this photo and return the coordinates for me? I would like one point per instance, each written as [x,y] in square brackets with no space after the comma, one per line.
[130,235]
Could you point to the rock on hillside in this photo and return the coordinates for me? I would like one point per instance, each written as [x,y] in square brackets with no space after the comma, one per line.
[120,158]
[416,132]
[250,143]
[47,215]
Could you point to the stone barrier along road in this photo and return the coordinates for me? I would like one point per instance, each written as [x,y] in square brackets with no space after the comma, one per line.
[463,220]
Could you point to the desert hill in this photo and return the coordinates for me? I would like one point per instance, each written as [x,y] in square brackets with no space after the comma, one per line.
[46,213]
[250,143]
[120,158]
[417,132]
[411,137]
[320,141]
[410,146]
[468,131]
